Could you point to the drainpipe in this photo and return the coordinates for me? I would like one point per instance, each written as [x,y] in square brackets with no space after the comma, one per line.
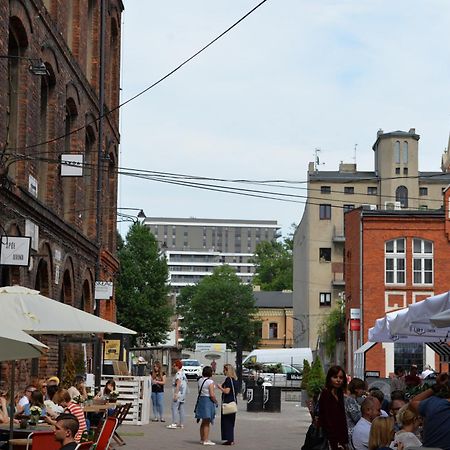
[361,330]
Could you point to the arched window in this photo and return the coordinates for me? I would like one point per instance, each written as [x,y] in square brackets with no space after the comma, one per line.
[405,152]
[68,183]
[395,256]
[401,195]
[422,261]
[397,152]
[17,45]
[89,183]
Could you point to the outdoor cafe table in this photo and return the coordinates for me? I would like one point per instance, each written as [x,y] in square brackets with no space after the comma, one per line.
[99,408]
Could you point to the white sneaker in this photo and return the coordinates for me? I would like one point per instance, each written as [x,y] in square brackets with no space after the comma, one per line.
[209,443]
[172,426]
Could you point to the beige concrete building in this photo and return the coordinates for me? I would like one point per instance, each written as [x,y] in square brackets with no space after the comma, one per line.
[319,240]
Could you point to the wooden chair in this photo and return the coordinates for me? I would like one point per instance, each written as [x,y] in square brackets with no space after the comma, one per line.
[120,413]
[44,440]
[84,445]
[106,433]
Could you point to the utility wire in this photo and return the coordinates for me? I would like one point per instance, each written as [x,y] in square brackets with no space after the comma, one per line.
[147,88]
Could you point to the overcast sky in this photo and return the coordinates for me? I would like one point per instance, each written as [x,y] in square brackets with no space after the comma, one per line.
[294,76]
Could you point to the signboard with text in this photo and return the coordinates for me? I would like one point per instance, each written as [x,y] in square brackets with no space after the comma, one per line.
[15,251]
[206,347]
[103,290]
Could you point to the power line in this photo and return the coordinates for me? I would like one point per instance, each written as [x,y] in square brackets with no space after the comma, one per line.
[186,61]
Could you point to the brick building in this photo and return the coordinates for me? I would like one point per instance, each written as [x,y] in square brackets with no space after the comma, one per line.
[393,259]
[44,115]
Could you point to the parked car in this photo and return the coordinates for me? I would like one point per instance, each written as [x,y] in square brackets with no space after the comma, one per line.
[285,374]
[192,368]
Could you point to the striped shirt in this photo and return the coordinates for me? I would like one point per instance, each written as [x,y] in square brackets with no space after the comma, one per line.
[77,411]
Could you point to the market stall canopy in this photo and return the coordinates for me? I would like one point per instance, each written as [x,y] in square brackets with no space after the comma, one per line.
[16,344]
[28,310]
[413,324]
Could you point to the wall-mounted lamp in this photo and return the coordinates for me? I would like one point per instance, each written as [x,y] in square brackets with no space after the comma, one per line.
[36,67]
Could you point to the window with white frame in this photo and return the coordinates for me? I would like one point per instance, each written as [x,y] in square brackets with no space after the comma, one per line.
[325,298]
[422,261]
[395,267]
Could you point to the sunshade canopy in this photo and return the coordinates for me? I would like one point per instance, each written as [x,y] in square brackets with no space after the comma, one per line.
[441,320]
[27,310]
[413,324]
[16,344]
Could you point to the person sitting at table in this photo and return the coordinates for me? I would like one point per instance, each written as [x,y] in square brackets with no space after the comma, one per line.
[110,386]
[37,399]
[66,428]
[42,386]
[5,407]
[62,398]
[78,389]
[52,408]
[25,399]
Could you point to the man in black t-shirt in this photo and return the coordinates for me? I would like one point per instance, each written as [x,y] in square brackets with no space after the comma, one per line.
[65,430]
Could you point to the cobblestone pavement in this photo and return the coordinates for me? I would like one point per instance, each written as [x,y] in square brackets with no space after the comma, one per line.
[284,431]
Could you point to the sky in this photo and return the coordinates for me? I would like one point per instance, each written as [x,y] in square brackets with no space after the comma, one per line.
[294,76]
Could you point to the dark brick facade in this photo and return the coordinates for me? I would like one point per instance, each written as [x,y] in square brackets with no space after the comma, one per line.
[366,233]
[43,117]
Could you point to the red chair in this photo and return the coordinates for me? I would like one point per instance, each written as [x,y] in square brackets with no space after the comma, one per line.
[44,440]
[84,446]
[106,433]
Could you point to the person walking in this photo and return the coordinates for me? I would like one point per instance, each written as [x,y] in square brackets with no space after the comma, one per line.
[356,389]
[158,382]
[332,417]
[228,388]
[205,409]
[179,396]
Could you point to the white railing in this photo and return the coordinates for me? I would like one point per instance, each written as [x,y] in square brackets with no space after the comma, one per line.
[134,390]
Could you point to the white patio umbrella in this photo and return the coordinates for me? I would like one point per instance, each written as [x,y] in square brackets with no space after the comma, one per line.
[28,310]
[16,344]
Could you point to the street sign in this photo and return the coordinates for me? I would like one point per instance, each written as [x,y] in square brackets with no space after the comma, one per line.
[103,290]
[206,347]
[72,165]
[15,251]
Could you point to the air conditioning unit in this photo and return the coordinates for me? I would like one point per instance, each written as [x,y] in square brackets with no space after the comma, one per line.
[366,206]
[393,206]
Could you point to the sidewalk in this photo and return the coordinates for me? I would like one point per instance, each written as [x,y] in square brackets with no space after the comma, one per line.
[284,431]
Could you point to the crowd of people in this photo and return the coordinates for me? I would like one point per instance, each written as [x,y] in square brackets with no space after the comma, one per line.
[349,415]
[54,405]
[207,402]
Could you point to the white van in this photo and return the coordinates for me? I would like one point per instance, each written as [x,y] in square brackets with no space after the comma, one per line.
[291,356]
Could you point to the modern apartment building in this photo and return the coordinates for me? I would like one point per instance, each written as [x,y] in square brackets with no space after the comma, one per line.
[195,247]
[319,241]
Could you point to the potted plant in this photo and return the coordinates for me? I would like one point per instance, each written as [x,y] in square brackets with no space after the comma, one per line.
[316,379]
[35,414]
[304,383]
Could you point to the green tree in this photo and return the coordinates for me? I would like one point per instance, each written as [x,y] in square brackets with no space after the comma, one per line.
[142,290]
[332,328]
[218,309]
[273,260]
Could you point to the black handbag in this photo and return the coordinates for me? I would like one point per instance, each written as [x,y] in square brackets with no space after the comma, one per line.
[315,439]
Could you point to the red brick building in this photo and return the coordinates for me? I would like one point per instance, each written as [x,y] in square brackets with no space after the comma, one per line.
[72,219]
[393,259]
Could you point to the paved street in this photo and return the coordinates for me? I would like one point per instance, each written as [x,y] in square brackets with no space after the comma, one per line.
[285,430]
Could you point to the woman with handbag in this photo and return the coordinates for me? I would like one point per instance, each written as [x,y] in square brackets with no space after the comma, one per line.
[332,417]
[229,404]
[205,408]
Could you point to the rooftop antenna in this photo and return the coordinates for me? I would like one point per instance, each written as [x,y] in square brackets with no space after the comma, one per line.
[317,162]
[354,153]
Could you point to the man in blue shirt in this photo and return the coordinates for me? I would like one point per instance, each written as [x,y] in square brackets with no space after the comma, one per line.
[434,406]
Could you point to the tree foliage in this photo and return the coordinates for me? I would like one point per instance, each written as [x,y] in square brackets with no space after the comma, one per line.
[332,328]
[218,309]
[142,290]
[274,266]
[316,378]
